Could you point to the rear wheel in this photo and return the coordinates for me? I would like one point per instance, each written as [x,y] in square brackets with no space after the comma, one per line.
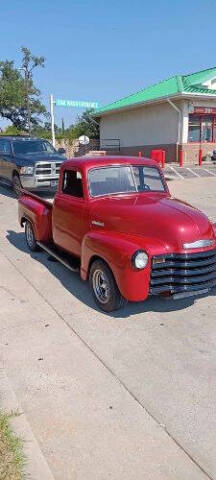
[16,183]
[30,237]
[104,288]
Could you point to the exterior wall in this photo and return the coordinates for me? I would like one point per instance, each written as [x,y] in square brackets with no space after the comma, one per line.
[144,129]
[150,125]
[155,127]
[191,152]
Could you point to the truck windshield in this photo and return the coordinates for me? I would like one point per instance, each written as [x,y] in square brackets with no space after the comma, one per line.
[32,146]
[124,179]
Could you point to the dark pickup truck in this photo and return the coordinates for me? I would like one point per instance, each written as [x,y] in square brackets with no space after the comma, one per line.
[30,163]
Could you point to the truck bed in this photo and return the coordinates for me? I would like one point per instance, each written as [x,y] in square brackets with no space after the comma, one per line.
[38,211]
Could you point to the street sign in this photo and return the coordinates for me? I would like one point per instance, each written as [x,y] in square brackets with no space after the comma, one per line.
[59,102]
[84,140]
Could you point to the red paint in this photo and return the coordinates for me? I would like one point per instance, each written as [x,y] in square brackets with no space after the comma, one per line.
[159,156]
[150,221]
[181,157]
[200,157]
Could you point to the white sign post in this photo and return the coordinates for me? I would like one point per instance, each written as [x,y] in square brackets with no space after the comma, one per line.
[52,118]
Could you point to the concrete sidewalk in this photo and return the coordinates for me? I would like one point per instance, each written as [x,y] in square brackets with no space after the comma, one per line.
[128,396]
[86,422]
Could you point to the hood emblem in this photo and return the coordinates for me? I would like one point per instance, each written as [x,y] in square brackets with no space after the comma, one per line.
[199,244]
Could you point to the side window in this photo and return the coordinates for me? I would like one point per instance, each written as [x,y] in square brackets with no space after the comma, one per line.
[5,147]
[72,183]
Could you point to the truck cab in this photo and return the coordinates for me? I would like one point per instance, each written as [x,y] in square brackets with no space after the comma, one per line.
[116,218]
[30,163]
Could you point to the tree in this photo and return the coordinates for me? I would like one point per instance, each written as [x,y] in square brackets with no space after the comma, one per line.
[86,125]
[19,98]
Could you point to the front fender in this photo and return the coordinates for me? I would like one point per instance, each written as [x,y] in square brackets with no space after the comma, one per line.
[116,250]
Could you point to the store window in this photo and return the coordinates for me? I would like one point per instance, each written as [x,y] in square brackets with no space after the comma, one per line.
[202,128]
[206,129]
[194,129]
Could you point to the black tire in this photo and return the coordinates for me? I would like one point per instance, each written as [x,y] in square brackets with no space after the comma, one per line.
[104,288]
[30,237]
[16,184]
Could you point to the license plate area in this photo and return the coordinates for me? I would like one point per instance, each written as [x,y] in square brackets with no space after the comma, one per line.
[53,183]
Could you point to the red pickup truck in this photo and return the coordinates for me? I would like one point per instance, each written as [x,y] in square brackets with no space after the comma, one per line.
[114,220]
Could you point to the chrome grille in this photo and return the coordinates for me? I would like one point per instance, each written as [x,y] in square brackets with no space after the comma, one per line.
[176,273]
[48,169]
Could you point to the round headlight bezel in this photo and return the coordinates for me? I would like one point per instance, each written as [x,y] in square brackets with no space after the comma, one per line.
[134,259]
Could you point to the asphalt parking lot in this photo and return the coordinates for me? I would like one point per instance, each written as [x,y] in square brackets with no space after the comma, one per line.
[130,395]
[175,172]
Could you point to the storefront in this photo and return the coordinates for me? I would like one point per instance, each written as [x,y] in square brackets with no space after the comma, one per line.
[177,115]
[202,125]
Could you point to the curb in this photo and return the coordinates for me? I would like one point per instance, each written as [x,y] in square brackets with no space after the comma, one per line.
[36,467]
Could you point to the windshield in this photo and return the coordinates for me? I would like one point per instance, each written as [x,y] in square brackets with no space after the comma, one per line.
[32,146]
[125,179]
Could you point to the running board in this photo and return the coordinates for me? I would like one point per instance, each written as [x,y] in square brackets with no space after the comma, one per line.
[53,253]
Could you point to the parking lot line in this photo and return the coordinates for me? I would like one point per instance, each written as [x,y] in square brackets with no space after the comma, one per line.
[192,171]
[209,171]
[176,172]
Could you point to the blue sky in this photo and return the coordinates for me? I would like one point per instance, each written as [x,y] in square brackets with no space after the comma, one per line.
[103,50]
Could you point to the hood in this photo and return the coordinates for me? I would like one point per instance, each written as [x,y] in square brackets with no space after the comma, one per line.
[32,158]
[166,220]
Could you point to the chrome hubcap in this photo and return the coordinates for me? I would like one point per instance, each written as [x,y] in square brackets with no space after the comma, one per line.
[29,235]
[101,286]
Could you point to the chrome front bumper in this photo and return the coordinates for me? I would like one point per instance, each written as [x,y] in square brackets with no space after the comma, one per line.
[32,182]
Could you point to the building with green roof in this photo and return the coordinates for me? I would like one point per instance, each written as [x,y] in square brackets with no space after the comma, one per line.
[177,115]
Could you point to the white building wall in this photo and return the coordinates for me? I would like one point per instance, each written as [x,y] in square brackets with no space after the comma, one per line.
[149,125]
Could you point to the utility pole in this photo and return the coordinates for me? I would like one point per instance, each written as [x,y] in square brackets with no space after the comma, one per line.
[52,119]
[27,77]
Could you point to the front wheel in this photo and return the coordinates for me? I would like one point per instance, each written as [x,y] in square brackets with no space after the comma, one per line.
[104,288]
[30,237]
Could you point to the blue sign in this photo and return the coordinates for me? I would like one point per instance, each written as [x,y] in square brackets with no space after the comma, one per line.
[75,103]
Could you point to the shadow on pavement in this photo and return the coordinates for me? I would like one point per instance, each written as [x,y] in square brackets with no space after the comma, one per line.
[6,190]
[73,283]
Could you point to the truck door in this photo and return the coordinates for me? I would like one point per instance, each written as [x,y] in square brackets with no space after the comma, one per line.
[70,216]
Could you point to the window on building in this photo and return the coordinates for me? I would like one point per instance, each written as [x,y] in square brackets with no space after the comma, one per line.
[206,129]
[202,128]
[72,183]
[194,129]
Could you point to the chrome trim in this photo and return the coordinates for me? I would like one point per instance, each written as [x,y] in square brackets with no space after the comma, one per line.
[99,224]
[199,244]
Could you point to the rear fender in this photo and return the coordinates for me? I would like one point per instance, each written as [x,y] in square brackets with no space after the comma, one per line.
[116,250]
[39,215]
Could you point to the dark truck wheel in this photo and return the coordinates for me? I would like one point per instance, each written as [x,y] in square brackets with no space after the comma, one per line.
[30,237]
[103,286]
[16,184]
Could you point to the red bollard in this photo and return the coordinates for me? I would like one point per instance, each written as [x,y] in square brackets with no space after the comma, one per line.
[200,157]
[181,157]
[163,159]
[139,154]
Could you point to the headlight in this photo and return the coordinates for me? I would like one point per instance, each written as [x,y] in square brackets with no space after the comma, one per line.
[27,170]
[140,259]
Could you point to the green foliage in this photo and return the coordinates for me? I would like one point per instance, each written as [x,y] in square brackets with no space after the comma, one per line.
[12,130]
[19,98]
[11,455]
